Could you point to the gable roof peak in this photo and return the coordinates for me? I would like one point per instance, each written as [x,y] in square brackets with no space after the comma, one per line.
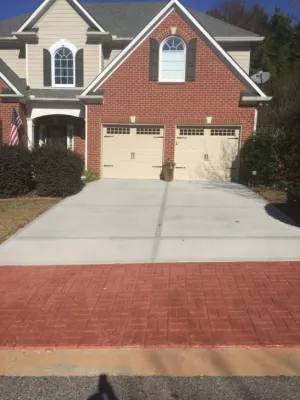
[144,33]
[46,4]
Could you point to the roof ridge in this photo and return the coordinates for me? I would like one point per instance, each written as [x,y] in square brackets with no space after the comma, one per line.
[115,12]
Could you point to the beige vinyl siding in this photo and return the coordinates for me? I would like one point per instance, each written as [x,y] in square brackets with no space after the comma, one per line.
[109,55]
[15,59]
[61,22]
[242,57]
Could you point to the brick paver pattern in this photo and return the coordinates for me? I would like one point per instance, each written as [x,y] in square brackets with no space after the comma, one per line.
[146,305]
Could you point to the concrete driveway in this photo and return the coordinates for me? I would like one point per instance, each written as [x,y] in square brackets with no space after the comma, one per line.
[127,221]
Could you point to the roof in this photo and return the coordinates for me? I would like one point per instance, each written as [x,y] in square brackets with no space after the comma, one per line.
[55,93]
[215,46]
[12,77]
[129,18]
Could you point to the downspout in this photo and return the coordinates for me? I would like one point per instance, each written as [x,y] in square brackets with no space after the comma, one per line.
[86,137]
[255,120]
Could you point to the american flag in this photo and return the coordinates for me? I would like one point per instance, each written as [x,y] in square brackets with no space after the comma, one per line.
[16,123]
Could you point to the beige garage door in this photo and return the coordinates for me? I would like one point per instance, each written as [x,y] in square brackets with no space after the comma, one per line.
[203,153]
[132,152]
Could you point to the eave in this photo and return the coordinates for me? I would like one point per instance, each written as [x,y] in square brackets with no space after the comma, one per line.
[254,100]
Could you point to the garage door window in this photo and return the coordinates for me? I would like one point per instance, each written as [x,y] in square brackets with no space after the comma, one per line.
[222,132]
[118,130]
[148,131]
[191,132]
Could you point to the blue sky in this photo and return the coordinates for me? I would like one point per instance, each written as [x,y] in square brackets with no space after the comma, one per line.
[10,8]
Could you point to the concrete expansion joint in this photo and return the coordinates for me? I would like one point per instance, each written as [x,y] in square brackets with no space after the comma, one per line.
[159,224]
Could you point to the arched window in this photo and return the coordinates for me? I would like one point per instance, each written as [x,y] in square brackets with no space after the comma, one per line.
[172,60]
[63,63]
[64,67]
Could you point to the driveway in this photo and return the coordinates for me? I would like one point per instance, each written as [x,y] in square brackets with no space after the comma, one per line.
[125,221]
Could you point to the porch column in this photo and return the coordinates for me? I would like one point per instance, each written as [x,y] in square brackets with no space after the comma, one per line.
[30,133]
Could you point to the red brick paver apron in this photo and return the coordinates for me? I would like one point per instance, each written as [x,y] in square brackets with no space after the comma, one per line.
[146,305]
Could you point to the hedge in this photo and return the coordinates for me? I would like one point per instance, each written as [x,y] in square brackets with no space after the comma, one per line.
[57,171]
[15,171]
[262,161]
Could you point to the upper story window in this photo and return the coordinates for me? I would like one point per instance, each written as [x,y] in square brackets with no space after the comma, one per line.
[63,59]
[172,60]
[64,67]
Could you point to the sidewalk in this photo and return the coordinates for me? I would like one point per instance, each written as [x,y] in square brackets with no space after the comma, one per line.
[150,305]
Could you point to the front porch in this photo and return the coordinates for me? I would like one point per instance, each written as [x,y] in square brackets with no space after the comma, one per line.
[62,130]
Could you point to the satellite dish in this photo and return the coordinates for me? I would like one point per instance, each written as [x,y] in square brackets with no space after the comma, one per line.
[261,77]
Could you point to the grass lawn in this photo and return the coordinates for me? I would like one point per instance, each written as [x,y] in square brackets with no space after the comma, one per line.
[279,199]
[16,213]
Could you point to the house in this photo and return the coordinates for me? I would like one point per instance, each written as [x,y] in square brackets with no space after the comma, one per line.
[130,85]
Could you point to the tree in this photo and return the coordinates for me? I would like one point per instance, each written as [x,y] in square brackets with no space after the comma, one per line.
[236,12]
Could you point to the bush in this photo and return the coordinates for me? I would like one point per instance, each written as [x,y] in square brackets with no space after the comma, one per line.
[57,171]
[294,191]
[90,176]
[15,171]
[261,158]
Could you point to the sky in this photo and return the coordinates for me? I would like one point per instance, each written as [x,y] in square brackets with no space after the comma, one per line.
[11,8]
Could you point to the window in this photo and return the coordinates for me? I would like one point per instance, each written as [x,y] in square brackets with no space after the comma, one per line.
[172,60]
[118,130]
[191,131]
[148,131]
[64,67]
[63,63]
[222,132]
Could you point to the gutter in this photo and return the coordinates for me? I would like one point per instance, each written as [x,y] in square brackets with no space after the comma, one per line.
[119,38]
[25,33]
[33,98]
[11,95]
[91,99]
[239,38]
[96,33]
[256,98]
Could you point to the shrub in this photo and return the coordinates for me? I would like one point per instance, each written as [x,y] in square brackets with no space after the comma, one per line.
[15,171]
[261,158]
[57,171]
[294,191]
[90,176]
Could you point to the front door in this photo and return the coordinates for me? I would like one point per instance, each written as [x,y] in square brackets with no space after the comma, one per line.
[56,135]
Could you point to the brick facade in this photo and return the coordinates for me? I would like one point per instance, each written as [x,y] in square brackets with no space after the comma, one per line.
[128,91]
[5,116]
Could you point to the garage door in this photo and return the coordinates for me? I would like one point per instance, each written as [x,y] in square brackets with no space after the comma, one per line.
[132,152]
[203,153]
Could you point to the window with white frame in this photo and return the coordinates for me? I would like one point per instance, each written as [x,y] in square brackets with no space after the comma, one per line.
[64,67]
[172,60]
[63,64]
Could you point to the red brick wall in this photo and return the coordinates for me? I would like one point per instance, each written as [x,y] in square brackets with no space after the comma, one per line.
[5,116]
[128,91]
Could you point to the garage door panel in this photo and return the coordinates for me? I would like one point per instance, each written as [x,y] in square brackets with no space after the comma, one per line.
[136,154]
[211,155]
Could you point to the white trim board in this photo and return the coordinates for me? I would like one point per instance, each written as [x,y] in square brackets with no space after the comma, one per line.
[138,40]
[48,2]
[3,77]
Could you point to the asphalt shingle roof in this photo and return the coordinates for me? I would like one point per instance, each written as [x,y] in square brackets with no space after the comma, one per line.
[13,78]
[55,93]
[128,19]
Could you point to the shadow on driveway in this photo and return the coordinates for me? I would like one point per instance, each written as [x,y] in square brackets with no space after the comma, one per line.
[284,212]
